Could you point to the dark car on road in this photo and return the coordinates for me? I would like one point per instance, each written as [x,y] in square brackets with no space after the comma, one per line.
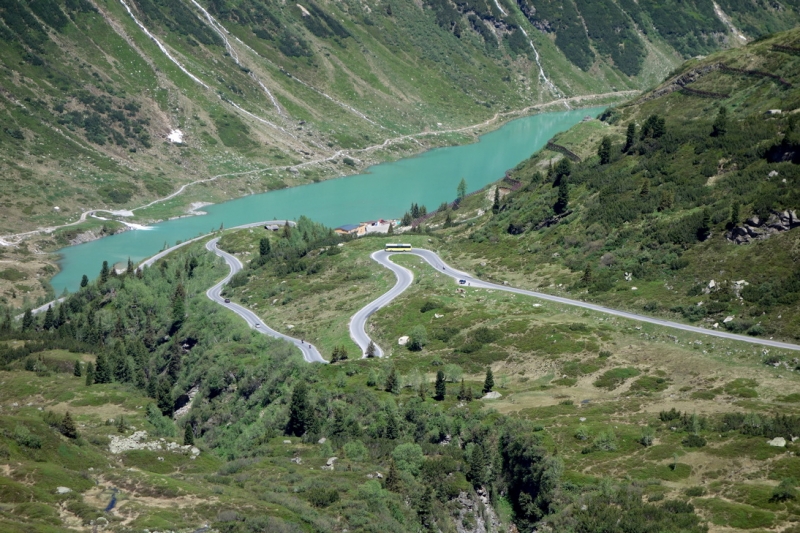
[227,300]
[462,282]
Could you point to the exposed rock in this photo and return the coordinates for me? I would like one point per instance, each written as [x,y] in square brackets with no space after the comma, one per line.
[188,403]
[754,228]
[727,319]
[491,395]
[402,341]
[329,464]
[777,441]
[138,441]
[323,440]
[297,460]
[63,490]
[482,518]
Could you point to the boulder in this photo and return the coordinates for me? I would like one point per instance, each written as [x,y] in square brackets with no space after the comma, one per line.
[777,441]
[753,221]
[491,395]
[402,341]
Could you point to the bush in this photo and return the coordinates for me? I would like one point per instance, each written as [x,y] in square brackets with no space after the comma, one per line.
[606,441]
[615,377]
[694,441]
[26,438]
[321,497]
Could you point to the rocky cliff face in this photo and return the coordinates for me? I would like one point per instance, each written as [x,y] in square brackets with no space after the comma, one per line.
[756,228]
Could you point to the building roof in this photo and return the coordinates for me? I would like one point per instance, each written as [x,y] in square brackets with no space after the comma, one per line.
[348,227]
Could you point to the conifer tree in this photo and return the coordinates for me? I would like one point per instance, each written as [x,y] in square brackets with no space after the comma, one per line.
[263,247]
[391,229]
[393,482]
[121,427]
[27,320]
[488,383]
[89,374]
[392,382]
[476,465]
[440,387]
[392,427]
[129,270]
[496,204]
[704,231]
[178,306]
[76,370]
[563,197]
[84,280]
[49,318]
[461,190]
[630,137]
[371,349]
[122,370]
[287,231]
[68,428]
[188,435]
[152,386]
[604,151]
[104,271]
[164,399]
[720,126]
[102,372]
[300,412]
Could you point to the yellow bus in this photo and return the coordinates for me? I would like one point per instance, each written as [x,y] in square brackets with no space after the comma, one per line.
[394,247]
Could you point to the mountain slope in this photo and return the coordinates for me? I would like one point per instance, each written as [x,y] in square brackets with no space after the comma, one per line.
[693,218]
[91,89]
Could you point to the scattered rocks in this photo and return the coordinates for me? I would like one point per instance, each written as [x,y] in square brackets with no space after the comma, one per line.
[755,228]
[138,441]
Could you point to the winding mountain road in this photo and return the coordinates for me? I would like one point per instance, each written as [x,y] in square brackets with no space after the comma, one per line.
[310,353]
[405,277]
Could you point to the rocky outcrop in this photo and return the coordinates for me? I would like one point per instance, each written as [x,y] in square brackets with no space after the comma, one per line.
[476,514]
[755,228]
[138,441]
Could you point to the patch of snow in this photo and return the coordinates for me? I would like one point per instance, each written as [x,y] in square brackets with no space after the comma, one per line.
[175,136]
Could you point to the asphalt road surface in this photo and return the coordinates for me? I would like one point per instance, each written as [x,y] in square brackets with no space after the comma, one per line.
[405,277]
[310,353]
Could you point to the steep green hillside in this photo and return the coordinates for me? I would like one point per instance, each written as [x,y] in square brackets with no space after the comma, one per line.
[688,210]
[92,88]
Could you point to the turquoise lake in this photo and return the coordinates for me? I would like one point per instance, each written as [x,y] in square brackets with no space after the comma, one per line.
[385,191]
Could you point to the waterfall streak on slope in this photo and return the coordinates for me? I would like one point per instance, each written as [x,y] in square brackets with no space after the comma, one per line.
[542,75]
[222,32]
[161,46]
[256,117]
[340,104]
[503,11]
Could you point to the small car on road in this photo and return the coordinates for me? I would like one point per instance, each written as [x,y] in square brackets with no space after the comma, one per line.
[462,282]
[258,325]
[227,300]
